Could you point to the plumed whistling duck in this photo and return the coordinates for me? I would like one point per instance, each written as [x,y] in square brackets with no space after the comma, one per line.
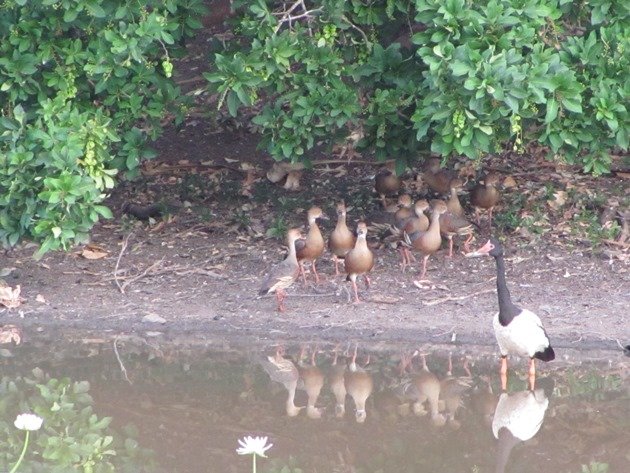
[341,239]
[427,242]
[451,225]
[386,182]
[438,179]
[311,247]
[485,196]
[359,261]
[518,331]
[453,204]
[284,273]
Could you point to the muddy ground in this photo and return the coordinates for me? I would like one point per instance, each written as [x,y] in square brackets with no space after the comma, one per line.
[197,269]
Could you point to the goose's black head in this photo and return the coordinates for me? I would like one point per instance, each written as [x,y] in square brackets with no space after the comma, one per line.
[492,248]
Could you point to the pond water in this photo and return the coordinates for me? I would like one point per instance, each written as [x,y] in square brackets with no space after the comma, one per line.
[181,406]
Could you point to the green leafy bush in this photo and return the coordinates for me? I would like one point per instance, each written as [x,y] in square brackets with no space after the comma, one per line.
[83,85]
[72,437]
[452,77]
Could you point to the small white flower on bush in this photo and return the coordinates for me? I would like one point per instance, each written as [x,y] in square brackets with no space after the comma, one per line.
[28,422]
[253,445]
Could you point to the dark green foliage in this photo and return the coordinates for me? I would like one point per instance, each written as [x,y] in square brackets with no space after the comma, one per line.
[452,77]
[72,437]
[83,84]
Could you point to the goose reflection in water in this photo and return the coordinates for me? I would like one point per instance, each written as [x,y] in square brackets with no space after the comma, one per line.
[518,417]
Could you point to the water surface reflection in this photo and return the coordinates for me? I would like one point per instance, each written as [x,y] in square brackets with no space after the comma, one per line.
[347,408]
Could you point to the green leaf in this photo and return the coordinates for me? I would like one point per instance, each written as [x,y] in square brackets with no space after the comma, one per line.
[94,9]
[9,124]
[622,138]
[555,141]
[81,387]
[232,103]
[287,150]
[460,68]
[571,104]
[104,211]
[552,110]
[70,15]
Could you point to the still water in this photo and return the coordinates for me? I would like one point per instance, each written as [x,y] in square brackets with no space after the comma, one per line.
[181,406]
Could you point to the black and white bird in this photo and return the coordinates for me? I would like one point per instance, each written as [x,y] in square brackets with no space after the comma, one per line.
[518,331]
[518,417]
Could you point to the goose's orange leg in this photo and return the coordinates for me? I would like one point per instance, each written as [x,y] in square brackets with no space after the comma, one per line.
[504,373]
[532,374]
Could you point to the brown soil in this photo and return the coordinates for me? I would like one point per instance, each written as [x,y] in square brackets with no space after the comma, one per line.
[201,268]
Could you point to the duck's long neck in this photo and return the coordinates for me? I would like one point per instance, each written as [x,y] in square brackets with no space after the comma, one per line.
[292,255]
[341,222]
[361,243]
[313,228]
[453,199]
[507,309]
[434,226]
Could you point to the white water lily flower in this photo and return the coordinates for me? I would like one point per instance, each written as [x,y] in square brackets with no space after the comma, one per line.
[253,445]
[28,422]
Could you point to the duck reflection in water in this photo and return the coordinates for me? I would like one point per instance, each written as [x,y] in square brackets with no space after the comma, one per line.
[310,381]
[284,371]
[359,385]
[518,417]
[336,375]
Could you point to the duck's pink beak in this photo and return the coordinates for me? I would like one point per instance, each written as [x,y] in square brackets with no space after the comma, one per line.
[483,251]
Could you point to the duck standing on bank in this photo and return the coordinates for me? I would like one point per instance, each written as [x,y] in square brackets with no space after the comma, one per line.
[359,261]
[386,182]
[485,196]
[284,273]
[518,331]
[451,225]
[438,179]
[311,247]
[341,239]
[418,223]
[427,242]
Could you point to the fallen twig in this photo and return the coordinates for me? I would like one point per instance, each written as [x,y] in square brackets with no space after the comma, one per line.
[122,250]
[455,298]
[441,334]
[122,366]
[137,277]
[203,272]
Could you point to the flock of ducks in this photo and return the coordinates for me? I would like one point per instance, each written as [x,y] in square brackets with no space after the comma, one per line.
[518,331]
